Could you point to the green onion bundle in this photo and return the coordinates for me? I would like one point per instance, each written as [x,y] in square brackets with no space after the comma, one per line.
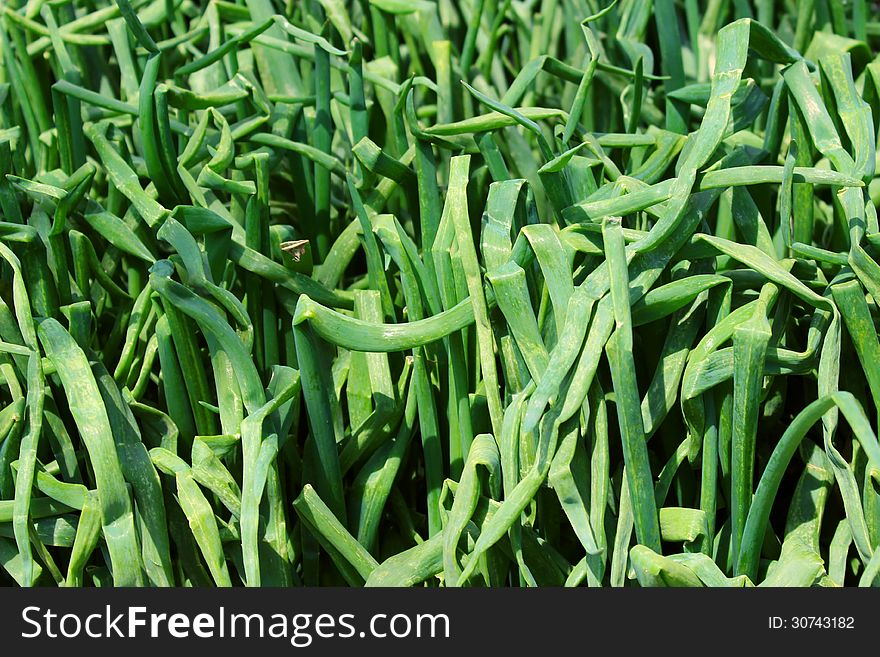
[439,293]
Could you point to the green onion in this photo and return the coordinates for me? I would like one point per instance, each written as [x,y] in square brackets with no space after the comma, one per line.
[429,294]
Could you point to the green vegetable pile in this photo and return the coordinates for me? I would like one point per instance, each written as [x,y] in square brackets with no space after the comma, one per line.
[453,293]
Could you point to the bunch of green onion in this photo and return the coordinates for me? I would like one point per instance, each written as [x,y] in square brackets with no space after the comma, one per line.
[439,293]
